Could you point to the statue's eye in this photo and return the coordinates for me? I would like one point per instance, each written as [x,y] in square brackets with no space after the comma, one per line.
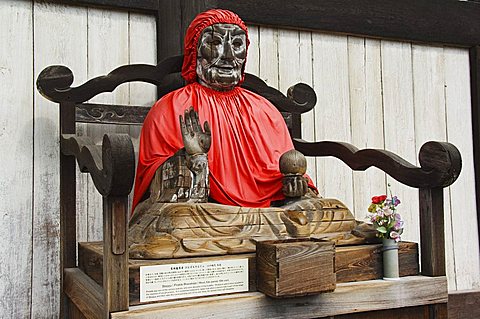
[237,43]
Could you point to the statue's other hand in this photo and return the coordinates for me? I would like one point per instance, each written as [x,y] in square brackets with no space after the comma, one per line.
[294,186]
[195,139]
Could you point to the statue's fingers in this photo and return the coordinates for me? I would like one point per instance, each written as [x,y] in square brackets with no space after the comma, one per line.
[195,122]
[305,186]
[206,127]
[183,129]
[290,188]
[188,122]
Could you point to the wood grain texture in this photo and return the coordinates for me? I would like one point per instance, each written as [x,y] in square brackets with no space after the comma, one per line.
[347,298]
[115,259]
[459,107]
[149,6]
[295,66]
[364,262]
[16,142]
[474,55]
[432,232]
[46,284]
[397,86]
[280,264]
[143,49]
[108,47]
[352,263]
[366,112]
[85,293]
[332,117]
[419,312]
[464,304]
[449,22]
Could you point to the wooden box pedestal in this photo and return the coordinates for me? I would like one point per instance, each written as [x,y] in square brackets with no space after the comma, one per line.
[295,267]
[352,263]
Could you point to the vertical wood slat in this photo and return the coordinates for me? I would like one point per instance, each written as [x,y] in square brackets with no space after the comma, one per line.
[474,56]
[16,145]
[463,203]
[428,65]
[108,47]
[69,48]
[399,124]
[68,221]
[143,49]
[169,18]
[432,232]
[332,113]
[366,114]
[295,66]
[115,260]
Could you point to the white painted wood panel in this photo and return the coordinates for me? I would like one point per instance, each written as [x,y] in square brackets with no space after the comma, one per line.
[366,107]
[430,121]
[142,35]
[108,48]
[268,67]
[332,113]
[399,124]
[69,48]
[253,55]
[462,193]
[295,66]
[16,144]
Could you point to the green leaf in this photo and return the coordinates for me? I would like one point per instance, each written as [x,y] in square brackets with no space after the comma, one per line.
[382,230]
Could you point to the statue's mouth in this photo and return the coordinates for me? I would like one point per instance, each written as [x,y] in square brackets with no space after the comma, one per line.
[225,69]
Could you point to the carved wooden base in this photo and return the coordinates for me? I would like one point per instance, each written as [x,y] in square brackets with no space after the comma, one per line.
[171,230]
[352,263]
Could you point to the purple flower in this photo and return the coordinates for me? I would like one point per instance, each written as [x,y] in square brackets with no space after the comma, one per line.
[398,224]
[395,201]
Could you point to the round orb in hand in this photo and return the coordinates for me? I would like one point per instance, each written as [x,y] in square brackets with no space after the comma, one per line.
[293,163]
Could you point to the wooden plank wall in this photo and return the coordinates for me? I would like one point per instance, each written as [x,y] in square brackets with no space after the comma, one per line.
[372,93]
[382,94]
[91,42]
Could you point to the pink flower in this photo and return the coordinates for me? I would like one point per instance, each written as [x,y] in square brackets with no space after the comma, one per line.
[395,235]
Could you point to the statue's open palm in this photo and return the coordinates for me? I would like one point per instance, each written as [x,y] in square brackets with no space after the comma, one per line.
[195,139]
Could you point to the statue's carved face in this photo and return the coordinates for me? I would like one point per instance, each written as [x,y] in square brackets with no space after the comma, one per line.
[222,49]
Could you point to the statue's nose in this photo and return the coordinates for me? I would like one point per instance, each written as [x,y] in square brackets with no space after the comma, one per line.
[227,50]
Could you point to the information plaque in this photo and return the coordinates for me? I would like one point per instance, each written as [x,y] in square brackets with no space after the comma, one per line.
[185,280]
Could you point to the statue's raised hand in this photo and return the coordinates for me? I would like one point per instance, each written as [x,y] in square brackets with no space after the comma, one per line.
[195,139]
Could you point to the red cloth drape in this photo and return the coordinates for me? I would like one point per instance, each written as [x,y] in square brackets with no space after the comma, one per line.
[248,137]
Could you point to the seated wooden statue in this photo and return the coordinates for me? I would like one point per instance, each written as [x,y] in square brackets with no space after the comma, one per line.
[216,188]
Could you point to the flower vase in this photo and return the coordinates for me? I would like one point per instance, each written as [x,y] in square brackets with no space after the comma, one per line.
[390,260]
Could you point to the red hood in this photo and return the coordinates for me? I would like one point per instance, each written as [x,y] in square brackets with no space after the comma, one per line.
[201,21]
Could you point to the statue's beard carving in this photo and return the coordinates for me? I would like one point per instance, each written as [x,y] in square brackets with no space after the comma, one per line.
[220,75]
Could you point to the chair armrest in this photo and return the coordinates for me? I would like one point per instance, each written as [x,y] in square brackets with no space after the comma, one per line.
[112,167]
[440,162]
[440,166]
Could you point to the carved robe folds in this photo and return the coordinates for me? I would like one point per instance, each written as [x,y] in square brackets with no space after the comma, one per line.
[168,230]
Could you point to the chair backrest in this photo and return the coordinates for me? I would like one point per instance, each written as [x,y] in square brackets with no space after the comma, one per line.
[55,84]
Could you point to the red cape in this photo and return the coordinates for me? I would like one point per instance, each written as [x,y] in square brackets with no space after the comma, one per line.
[248,137]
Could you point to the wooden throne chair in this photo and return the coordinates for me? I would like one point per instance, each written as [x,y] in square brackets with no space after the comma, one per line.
[103,283]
